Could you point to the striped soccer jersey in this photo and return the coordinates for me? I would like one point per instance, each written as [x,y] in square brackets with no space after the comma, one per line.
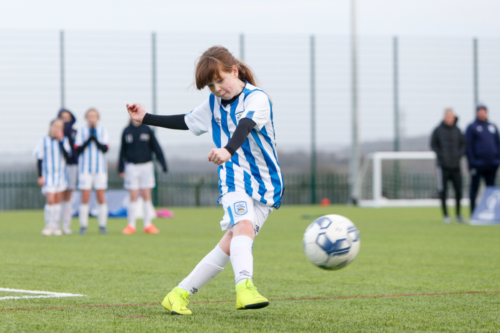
[48,150]
[92,160]
[254,167]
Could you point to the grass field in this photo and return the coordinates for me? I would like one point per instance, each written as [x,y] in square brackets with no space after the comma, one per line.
[408,253]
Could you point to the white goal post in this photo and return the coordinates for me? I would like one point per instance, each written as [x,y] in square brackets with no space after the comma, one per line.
[377,198]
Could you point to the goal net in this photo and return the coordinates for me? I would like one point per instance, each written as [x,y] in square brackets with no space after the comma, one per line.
[392,179]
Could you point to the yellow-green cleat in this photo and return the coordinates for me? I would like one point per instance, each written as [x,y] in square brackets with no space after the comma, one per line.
[247,296]
[176,302]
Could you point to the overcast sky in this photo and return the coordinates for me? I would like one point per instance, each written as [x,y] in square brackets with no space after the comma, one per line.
[376,17]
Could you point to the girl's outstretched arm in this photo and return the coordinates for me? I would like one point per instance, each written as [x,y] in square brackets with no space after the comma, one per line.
[138,113]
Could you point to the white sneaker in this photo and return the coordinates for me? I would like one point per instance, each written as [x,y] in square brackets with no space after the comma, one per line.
[57,232]
[446,220]
[47,231]
[67,231]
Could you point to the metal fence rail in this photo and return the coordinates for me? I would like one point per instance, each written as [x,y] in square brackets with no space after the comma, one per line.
[19,190]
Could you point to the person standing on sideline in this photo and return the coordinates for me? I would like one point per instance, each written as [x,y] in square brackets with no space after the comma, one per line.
[136,167]
[91,144]
[483,152]
[71,169]
[448,143]
[51,153]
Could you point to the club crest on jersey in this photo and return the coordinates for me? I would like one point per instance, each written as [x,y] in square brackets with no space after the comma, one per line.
[240,208]
[217,120]
[492,129]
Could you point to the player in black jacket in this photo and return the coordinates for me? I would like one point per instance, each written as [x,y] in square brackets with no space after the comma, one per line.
[449,144]
[136,166]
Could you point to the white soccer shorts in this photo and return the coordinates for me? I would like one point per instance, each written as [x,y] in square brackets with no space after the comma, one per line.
[239,206]
[72,171]
[96,181]
[139,176]
[54,189]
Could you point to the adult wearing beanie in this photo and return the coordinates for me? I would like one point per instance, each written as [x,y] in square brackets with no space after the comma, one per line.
[483,152]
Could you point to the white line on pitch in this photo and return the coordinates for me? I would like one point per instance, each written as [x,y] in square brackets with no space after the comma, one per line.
[42,294]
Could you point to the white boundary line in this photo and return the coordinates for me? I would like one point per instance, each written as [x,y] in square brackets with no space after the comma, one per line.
[40,294]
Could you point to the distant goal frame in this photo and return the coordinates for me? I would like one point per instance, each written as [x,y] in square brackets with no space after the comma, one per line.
[378,200]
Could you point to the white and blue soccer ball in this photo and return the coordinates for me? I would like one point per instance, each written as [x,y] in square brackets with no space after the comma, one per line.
[331,242]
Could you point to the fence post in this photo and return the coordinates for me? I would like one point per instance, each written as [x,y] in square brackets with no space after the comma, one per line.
[313,121]
[61,67]
[242,47]
[396,113]
[354,159]
[154,105]
[476,75]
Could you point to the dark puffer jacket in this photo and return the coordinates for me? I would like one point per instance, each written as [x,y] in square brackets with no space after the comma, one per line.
[449,145]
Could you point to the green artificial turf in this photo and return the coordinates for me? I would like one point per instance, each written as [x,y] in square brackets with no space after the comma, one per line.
[403,251]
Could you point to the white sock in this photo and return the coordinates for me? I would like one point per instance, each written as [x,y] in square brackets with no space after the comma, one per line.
[47,211]
[242,258]
[66,213]
[146,206]
[208,268]
[84,215]
[102,217]
[56,216]
[132,206]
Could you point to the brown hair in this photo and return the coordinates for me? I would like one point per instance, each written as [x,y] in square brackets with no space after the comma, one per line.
[216,59]
[92,109]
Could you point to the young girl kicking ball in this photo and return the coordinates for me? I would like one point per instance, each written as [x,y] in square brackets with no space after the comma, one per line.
[239,118]
[51,153]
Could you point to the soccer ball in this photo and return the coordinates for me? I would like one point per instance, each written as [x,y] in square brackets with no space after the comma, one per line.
[331,242]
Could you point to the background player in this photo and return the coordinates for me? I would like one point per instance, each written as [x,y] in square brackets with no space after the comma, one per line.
[136,166]
[51,153]
[71,169]
[92,143]
[239,117]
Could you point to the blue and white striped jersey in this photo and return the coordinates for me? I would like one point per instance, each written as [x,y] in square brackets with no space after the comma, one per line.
[48,150]
[92,160]
[254,167]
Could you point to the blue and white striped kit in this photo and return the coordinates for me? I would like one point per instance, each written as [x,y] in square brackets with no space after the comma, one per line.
[254,168]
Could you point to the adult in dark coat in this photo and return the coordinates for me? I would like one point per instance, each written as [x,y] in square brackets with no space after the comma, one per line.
[449,144]
[483,152]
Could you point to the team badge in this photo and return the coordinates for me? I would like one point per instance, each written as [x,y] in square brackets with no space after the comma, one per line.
[491,128]
[240,208]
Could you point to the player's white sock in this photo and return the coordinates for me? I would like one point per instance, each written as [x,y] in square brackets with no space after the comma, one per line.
[132,206]
[47,210]
[146,206]
[83,214]
[206,270]
[66,214]
[242,258]
[102,217]
[56,216]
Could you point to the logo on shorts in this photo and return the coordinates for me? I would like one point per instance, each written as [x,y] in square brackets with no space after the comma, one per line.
[240,208]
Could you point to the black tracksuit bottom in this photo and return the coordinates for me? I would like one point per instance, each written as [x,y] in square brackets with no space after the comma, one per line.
[476,174]
[454,175]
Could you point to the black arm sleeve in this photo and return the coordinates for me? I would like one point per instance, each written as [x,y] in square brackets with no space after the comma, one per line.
[39,167]
[155,146]
[121,158]
[64,152]
[173,122]
[81,148]
[99,145]
[240,135]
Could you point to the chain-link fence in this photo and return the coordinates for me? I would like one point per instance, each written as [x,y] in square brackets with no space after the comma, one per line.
[407,78]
